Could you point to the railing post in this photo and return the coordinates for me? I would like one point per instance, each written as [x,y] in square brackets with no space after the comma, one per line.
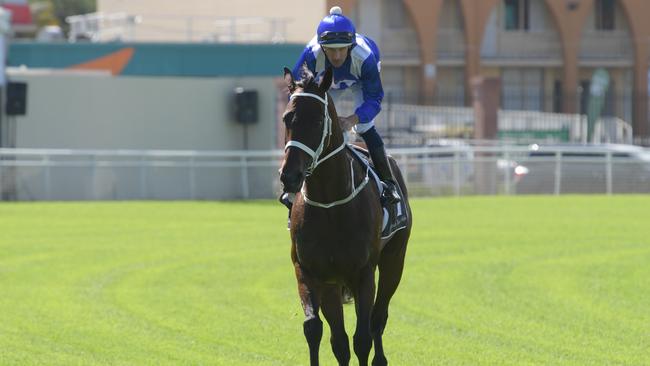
[558,172]
[92,192]
[457,172]
[192,178]
[143,178]
[508,183]
[404,165]
[48,188]
[609,172]
[244,176]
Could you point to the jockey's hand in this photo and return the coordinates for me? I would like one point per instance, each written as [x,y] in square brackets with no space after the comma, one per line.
[348,122]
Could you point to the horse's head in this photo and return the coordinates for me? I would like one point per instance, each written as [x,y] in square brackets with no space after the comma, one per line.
[308,126]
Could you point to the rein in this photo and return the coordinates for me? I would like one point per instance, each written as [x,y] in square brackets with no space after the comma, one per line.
[315,155]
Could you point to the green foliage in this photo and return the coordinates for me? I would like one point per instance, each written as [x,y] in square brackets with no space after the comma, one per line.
[55,11]
[488,281]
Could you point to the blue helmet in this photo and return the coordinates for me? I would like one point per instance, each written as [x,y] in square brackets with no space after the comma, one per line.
[336,30]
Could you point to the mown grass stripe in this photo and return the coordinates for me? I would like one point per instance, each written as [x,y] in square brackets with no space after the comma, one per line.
[488,280]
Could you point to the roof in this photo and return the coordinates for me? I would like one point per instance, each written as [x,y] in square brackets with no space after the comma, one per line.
[21,14]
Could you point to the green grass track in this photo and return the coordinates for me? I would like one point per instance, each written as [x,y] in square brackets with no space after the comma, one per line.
[488,281]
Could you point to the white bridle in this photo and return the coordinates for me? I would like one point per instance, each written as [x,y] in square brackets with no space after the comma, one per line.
[315,155]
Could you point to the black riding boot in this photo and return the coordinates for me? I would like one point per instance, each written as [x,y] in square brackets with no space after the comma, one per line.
[382,166]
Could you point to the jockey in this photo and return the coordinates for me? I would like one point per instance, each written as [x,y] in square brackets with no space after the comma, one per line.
[354,59]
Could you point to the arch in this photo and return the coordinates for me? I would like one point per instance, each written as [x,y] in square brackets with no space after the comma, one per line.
[450,55]
[610,44]
[421,14]
[534,37]
[636,13]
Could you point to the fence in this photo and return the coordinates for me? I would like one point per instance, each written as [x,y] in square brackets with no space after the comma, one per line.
[459,169]
[405,125]
[98,27]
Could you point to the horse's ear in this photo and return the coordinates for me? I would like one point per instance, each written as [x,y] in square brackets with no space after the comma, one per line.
[326,81]
[288,78]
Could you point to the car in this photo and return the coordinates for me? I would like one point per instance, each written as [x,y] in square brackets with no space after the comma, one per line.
[454,166]
[598,168]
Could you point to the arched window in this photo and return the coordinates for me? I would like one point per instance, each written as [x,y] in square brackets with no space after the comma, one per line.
[605,18]
[517,15]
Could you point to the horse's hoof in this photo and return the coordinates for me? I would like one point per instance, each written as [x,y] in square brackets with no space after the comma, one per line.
[379,361]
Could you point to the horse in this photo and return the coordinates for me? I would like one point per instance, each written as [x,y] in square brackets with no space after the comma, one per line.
[335,226]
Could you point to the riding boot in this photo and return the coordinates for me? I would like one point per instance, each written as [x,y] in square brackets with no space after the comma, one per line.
[382,166]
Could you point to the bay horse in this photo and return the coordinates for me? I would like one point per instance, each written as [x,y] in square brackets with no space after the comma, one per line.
[335,226]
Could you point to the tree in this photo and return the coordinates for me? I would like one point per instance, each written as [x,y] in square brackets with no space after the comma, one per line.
[49,12]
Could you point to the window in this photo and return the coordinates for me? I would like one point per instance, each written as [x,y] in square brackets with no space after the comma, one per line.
[517,15]
[557,96]
[394,14]
[522,89]
[605,14]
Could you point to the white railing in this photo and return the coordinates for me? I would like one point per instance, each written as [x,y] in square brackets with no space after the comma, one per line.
[606,45]
[525,45]
[429,122]
[461,169]
[250,29]
[98,27]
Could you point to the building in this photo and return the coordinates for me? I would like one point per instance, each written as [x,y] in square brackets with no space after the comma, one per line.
[207,21]
[544,52]
[21,16]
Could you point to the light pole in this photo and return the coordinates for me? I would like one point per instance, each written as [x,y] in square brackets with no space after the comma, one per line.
[5,32]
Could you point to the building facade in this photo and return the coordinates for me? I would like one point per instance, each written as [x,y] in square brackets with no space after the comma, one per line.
[543,52]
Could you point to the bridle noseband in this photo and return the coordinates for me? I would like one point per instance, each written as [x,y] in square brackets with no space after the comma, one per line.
[327,132]
[315,155]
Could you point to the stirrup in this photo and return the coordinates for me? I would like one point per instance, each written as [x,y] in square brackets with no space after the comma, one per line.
[389,196]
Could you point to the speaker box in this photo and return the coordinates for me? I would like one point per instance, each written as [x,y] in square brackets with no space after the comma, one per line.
[16,99]
[245,106]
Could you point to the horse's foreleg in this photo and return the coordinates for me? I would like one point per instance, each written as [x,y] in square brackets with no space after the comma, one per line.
[391,265]
[364,297]
[313,326]
[333,311]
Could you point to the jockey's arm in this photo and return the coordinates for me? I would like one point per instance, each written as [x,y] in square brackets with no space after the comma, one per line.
[373,92]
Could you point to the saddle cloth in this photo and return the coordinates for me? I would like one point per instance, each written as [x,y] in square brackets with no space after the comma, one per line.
[395,217]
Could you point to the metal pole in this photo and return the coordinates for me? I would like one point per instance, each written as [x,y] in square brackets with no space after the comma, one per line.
[48,188]
[143,179]
[244,177]
[457,173]
[192,178]
[609,172]
[558,172]
[404,164]
[508,183]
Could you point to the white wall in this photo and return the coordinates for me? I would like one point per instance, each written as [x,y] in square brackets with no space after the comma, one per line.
[86,110]
[97,111]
